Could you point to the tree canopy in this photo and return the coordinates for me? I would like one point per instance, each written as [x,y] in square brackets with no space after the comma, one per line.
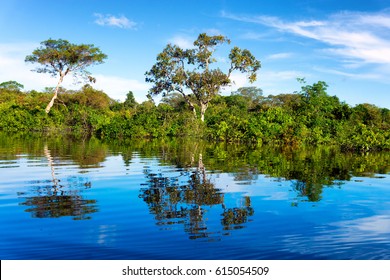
[12,86]
[59,58]
[188,71]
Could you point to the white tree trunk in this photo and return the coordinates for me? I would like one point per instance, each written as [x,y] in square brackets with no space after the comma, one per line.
[51,103]
[192,107]
[203,108]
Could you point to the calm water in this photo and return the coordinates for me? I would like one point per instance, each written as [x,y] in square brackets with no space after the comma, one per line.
[63,199]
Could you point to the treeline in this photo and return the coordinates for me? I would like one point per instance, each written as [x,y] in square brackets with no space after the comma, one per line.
[308,117]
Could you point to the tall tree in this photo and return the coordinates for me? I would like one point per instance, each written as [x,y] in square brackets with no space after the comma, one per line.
[59,58]
[189,71]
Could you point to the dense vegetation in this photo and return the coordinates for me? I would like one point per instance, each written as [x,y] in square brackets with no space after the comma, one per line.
[310,117]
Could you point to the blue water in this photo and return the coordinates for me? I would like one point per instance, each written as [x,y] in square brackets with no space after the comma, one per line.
[135,205]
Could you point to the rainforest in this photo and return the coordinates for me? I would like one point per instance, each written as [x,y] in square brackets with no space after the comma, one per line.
[309,117]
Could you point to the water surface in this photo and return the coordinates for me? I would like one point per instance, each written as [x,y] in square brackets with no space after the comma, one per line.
[183,199]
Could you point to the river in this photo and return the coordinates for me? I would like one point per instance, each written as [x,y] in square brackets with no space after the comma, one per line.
[186,199]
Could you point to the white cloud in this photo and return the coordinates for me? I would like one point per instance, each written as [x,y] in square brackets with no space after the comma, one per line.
[360,36]
[277,82]
[239,80]
[184,42]
[110,20]
[118,87]
[13,67]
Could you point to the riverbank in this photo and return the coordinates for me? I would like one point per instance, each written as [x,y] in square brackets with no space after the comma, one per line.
[287,119]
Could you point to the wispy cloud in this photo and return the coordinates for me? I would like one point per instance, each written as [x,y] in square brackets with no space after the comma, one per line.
[254,36]
[279,76]
[277,56]
[110,20]
[266,80]
[184,42]
[374,75]
[213,32]
[359,36]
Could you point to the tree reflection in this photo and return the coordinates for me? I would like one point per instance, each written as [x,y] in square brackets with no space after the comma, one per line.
[313,192]
[55,206]
[172,203]
[309,170]
[233,218]
[49,158]
[310,173]
[51,199]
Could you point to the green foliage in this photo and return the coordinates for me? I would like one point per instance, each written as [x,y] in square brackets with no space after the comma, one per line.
[130,101]
[12,86]
[89,97]
[367,114]
[247,97]
[310,118]
[274,126]
[60,56]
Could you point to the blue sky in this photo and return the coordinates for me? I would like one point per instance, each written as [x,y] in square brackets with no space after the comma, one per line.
[344,43]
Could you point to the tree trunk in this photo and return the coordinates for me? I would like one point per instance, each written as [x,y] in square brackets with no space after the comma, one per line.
[203,108]
[51,103]
[193,110]
[192,107]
